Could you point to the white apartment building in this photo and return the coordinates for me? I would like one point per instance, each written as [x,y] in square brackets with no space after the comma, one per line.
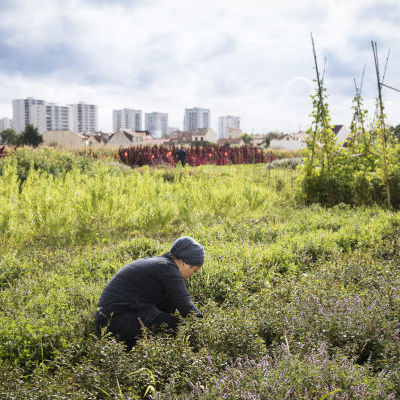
[127,118]
[6,123]
[58,118]
[29,111]
[45,116]
[228,121]
[196,118]
[156,123]
[84,117]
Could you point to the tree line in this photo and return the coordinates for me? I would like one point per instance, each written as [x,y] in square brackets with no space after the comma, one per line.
[30,136]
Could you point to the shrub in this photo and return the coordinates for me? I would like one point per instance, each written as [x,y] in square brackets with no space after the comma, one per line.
[139,247]
[341,305]
[52,161]
[228,331]
[316,376]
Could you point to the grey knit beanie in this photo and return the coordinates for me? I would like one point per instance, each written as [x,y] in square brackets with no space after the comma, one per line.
[188,250]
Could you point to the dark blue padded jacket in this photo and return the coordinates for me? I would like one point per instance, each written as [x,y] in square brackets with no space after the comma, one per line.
[147,288]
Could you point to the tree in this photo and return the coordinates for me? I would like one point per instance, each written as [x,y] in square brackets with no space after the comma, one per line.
[269,136]
[10,137]
[31,136]
[246,138]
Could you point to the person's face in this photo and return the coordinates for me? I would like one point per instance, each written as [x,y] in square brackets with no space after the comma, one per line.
[187,270]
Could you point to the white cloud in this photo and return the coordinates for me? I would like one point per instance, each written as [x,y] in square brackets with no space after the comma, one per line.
[252,59]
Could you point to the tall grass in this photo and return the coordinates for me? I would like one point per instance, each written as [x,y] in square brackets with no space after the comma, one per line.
[78,207]
[297,291]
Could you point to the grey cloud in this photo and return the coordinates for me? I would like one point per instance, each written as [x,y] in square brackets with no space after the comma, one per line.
[341,86]
[58,54]
[159,49]
[382,11]
[115,2]
[7,4]
[57,51]
[70,64]
[145,78]
[38,61]
[336,67]
[224,87]
[224,46]
[315,12]
[362,42]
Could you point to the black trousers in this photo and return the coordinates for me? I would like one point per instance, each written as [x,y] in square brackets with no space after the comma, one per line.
[127,328]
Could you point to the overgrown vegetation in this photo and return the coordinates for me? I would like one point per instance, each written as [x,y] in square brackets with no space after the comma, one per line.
[366,170]
[300,302]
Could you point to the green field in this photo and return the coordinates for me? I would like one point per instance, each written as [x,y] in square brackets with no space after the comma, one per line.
[300,302]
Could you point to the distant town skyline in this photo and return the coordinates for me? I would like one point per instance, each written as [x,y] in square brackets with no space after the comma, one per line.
[83,118]
[249,59]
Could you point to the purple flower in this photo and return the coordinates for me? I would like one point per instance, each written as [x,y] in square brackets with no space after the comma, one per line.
[288,393]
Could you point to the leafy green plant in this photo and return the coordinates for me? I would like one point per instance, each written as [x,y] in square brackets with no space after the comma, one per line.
[297,300]
[365,172]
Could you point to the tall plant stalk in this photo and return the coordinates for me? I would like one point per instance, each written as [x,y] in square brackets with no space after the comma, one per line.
[320,133]
[382,130]
[360,141]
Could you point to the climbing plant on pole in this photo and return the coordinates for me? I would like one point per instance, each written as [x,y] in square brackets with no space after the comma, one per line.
[321,144]
[385,146]
[361,138]
[366,170]
[323,151]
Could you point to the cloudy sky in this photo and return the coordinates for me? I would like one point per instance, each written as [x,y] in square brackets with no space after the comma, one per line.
[248,58]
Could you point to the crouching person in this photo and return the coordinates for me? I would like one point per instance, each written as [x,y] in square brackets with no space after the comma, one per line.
[148,291]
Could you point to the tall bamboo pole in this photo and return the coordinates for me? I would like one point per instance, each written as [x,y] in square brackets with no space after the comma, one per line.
[381,121]
[320,100]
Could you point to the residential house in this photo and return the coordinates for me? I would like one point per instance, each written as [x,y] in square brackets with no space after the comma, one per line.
[341,133]
[204,135]
[232,133]
[297,141]
[63,139]
[181,137]
[126,137]
[287,142]
[97,139]
[257,140]
[300,135]
[234,142]
[190,137]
